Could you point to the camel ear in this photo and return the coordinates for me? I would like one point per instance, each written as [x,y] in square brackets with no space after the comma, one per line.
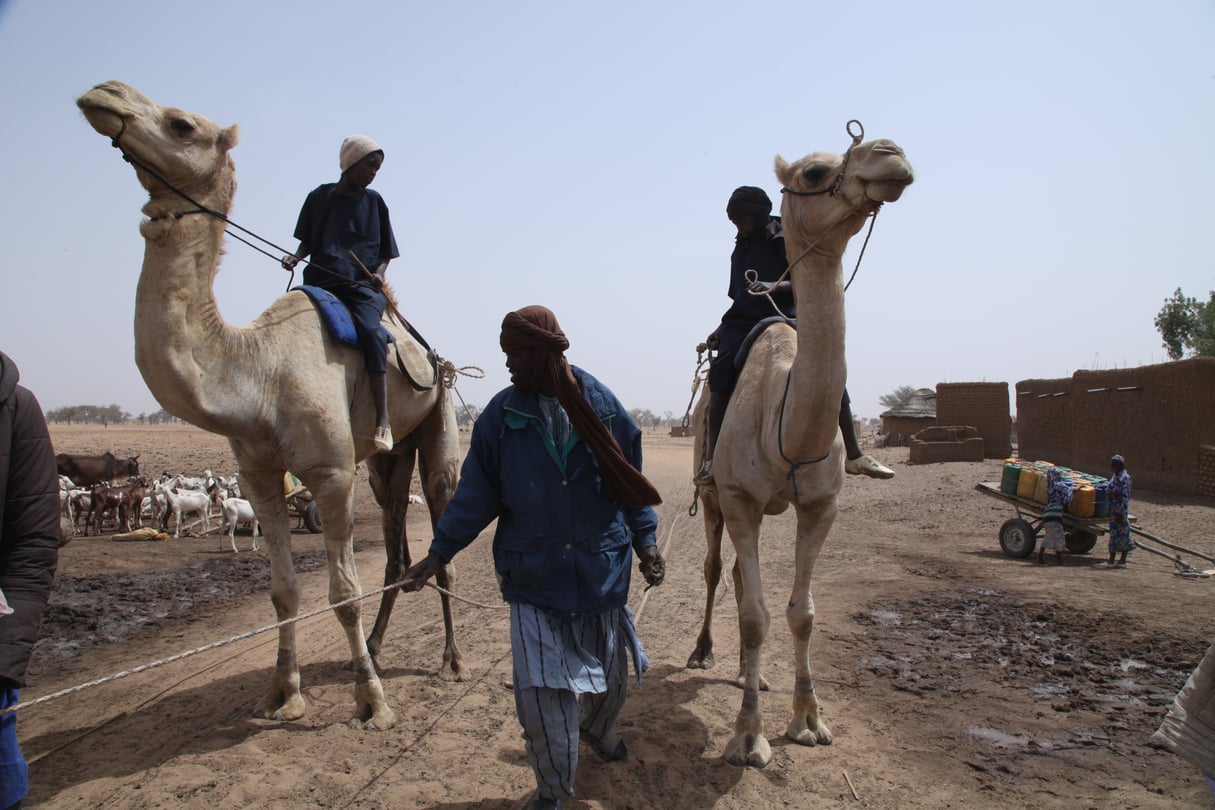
[228,138]
[784,171]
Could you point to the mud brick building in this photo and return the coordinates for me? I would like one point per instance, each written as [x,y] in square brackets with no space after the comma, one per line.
[983,406]
[901,423]
[1161,418]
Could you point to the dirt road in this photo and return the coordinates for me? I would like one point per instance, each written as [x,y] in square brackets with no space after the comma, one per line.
[951,675]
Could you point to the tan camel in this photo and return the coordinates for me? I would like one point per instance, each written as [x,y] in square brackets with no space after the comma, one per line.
[284,393]
[779,443]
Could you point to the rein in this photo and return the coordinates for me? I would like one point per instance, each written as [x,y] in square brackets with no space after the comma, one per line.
[199,208]
[831,191]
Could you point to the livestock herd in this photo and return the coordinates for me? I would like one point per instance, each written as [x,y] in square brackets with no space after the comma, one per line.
[88,488]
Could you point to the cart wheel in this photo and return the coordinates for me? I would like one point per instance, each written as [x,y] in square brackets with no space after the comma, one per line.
[312,518]
[1017,538]
[1080,541]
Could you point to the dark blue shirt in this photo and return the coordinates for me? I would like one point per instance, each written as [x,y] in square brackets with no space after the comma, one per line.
[331,224]
[766,256]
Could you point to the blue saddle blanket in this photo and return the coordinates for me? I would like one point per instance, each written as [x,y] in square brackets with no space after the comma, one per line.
[336,317]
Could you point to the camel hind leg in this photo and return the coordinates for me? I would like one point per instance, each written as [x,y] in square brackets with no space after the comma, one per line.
[702,655]
[434,446]
[390,475]
[438,443]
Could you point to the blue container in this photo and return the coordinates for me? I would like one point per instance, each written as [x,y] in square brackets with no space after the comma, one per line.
[1101,504]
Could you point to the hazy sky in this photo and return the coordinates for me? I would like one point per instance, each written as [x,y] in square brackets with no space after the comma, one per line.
[580,156]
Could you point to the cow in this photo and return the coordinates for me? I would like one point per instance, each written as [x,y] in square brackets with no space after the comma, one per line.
[89,471]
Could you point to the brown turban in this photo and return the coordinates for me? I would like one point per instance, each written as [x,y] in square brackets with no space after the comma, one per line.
[748,201]
[547,372]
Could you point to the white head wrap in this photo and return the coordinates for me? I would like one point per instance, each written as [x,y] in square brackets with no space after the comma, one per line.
[354,149]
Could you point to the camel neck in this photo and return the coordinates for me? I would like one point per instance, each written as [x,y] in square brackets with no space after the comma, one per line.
[182,345]
[819,370]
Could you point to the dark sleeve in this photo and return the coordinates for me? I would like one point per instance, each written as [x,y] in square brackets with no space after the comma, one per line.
[643,520]
[477,500]
[310,218]
[29,549]
[388,241]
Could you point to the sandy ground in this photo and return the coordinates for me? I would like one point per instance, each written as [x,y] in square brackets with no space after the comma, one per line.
[951,675]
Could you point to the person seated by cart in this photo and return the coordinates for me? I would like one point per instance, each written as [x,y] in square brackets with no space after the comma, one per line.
[1058,496]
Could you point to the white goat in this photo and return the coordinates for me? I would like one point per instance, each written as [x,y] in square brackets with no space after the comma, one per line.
[237,510]
[155,507]
[186,501]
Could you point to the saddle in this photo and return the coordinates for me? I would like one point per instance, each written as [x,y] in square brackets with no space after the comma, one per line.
[740,359]
[415,359]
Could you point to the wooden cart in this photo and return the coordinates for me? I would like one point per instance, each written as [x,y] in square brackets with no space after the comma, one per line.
[1019,535]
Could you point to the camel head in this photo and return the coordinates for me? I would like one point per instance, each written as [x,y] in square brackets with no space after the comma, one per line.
[828,191]
[185,149]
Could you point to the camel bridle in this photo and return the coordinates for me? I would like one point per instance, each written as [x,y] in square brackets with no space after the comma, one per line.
[199,208]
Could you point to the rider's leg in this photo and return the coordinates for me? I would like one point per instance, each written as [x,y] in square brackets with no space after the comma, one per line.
[857,462]
[716,413]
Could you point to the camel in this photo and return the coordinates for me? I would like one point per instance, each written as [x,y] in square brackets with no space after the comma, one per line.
[284,393]
[779,444]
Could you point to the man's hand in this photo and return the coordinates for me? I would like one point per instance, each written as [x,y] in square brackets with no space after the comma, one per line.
[653,567]
[416,577]
[289,262]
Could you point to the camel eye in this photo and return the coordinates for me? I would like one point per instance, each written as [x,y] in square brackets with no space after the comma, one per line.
[816,175]
[181,127]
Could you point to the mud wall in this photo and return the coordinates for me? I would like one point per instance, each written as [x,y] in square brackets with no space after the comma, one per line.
[952,443]
[900,429]
[1157,417]
[983,405]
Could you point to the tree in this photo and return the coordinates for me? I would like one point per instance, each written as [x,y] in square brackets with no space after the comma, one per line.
[1186,326]
[643,417]
[467,414]
[898,396]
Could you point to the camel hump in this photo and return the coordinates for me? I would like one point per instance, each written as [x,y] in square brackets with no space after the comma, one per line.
[740,359]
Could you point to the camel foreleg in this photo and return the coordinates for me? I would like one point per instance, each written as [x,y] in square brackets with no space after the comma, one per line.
[806,725]
[749,746]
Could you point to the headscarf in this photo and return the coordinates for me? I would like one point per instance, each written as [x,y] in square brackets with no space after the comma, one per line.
[354,149]
[748,200]
[549,373]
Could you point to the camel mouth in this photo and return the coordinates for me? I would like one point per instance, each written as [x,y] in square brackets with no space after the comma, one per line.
[886,190]
[101,108]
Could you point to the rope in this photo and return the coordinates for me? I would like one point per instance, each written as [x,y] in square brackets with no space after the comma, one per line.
[448,371]
[202,209]
[233,639]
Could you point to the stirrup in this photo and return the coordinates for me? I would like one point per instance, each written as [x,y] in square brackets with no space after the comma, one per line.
[704,475]
[383,439]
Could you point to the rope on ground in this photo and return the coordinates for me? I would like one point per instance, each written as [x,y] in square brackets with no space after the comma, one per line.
[424,733]
[231,640]
[663,549]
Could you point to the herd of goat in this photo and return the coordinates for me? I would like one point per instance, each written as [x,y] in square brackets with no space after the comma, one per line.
[139,502]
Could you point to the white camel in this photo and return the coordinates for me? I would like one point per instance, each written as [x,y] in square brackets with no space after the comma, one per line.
[779,443]
[287,396]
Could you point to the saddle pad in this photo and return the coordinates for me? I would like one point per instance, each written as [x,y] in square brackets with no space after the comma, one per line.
[413,358]
[336,317]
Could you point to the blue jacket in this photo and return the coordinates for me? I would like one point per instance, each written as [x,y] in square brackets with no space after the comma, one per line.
[561,543]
